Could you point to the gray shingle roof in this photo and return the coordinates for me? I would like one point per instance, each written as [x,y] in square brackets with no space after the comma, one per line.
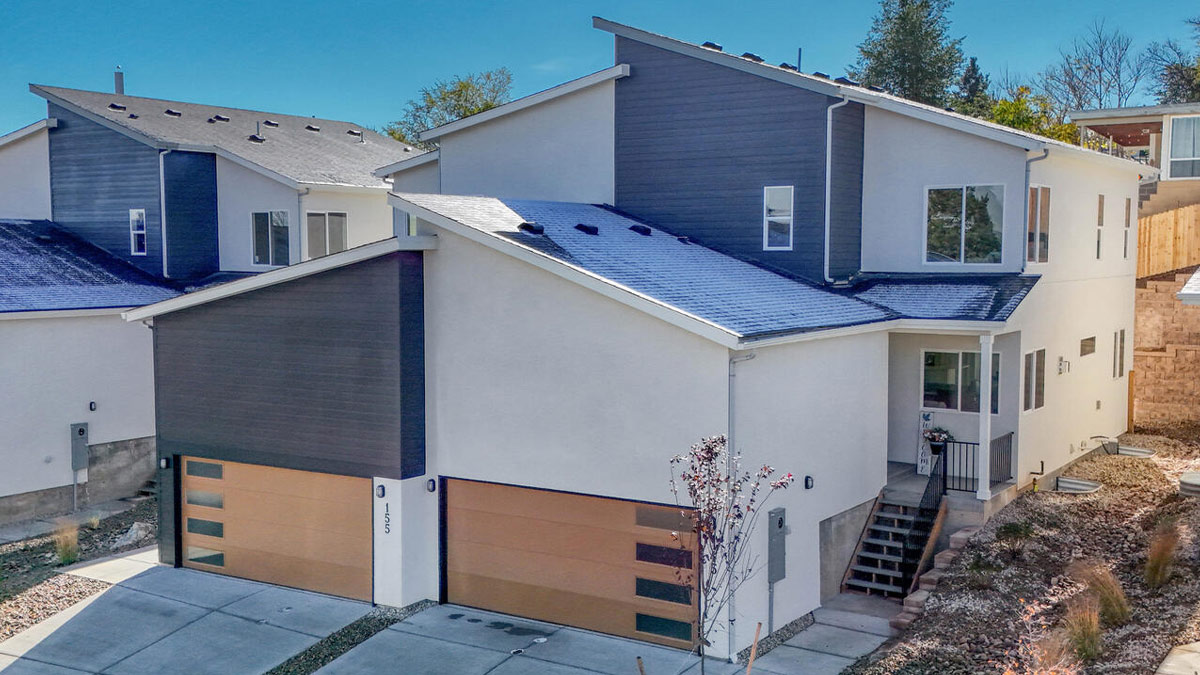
[328,156]
[991,297]
[43,268]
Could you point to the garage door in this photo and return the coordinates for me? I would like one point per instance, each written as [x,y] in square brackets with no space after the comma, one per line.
[293,528]
[607,565]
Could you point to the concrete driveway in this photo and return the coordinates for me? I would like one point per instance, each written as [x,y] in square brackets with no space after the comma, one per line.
[462,641]
[165,620]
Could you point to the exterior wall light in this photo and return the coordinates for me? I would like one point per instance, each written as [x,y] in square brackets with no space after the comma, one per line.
[808,482]
[431,485]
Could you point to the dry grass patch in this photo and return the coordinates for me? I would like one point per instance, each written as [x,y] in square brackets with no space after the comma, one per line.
[1160,559]
[1104,585]
[66,542]
[1082,625]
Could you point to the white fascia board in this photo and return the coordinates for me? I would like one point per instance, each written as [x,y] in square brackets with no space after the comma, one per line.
[1156,111]
[924,326]
[606,287]
[98,119]
[342,187]
[64,313]
[614,73]
[406,164]
[279,276]
[27,130]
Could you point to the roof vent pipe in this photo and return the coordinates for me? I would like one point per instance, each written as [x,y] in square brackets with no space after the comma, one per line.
[119,81]
[799,57]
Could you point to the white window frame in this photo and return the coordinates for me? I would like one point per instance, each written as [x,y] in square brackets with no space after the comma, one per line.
[1168,132]
[134,232]
[1100,226]
[325,214]
[962,232]
[1036,209]
[1025,380]
[958,375]
[791,219]
[1118,363]
[270,239]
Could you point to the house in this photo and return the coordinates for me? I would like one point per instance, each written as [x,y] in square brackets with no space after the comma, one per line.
[586,281]
[1166,137]
[160,196]
[77,404]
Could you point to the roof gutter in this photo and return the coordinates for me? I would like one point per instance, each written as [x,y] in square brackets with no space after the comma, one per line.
[829,175]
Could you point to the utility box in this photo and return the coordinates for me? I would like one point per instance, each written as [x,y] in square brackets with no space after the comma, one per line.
[79,446]
[776,545]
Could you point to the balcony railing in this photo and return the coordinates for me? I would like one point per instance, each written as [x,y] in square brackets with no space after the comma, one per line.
[962,463]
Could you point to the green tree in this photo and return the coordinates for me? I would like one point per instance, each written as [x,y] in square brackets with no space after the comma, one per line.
[1175,69]
[450,100]
[971,96]
[1033,113]
[909,52]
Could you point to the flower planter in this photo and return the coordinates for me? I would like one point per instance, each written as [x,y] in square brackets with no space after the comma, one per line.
[937,447]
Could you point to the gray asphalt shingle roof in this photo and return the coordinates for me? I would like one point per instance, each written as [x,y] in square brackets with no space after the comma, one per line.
[742,298]
[328,156]
[43,268]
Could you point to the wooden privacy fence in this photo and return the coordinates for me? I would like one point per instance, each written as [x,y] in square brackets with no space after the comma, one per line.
[1169,241]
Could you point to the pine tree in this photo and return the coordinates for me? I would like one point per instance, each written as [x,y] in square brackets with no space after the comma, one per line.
[971,97]
[909,51]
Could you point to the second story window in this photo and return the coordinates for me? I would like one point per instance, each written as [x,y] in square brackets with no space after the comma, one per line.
[326,234]
[777,218]
[137,231]
[1099,224]
[1185,147]
[1037,246]
[270,237]
[1128,217]
[964,224]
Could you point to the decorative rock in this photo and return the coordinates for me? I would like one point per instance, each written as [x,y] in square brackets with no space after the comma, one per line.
[136,533]
[1189,484]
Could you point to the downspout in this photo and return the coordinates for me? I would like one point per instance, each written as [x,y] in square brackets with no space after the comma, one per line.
[302,227]
[829,175]
[729,453]
[162,209]
[1025,225]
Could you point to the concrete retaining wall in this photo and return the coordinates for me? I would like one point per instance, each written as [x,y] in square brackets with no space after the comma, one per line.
[839,540]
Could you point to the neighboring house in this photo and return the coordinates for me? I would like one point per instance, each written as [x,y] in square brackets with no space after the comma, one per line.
[1166,137]
[25,172]
[68,359]
[185,190]
[689,243]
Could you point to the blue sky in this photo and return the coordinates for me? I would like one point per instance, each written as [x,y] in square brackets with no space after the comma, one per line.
[361,61]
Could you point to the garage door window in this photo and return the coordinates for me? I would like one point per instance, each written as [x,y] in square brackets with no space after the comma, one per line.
[663,555]
[657,625]
[205,556]
[661,590]
[204,469]
[675,520]
[212,500]
[208,528]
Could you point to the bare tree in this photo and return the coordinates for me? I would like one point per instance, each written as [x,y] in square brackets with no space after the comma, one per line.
[1099,70]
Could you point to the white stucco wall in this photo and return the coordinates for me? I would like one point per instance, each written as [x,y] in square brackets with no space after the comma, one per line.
[25,177]
[902,157]
[368,215]
[52,369]
[562,150]
[421,179]
[241,192]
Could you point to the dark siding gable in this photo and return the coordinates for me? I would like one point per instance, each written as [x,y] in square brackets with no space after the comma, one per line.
[191,195]
[845,192]
[317,374]
[697,142]
[96,176]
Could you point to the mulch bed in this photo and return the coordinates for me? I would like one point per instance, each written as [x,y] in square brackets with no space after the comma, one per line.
[988,612]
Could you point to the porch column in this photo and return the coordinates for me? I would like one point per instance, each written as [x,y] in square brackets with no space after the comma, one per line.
[984,461]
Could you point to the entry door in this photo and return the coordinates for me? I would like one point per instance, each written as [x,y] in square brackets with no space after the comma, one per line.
[609,565]
[293,528]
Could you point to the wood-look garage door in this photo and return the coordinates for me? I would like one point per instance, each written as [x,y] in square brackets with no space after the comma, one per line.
[607,565]
[293,528]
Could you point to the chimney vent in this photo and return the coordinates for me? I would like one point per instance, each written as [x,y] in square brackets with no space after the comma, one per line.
[799,57]
[119,81]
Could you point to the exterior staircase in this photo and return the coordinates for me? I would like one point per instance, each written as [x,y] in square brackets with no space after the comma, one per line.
[147,491]
[1146,191]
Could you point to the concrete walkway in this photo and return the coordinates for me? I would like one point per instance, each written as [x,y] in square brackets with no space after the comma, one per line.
[846,627]
[1183,660]
[165,620]
[41,527]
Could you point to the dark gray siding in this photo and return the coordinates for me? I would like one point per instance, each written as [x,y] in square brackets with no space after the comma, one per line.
[324,373]
[191,204]
[845,192]
[697,142]
[96,176]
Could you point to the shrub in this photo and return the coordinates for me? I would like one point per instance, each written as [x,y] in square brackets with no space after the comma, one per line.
[980,571]
[1160,559]
[66,542]
[1013,536]
[1114,606]
[93,522]
[1082,624]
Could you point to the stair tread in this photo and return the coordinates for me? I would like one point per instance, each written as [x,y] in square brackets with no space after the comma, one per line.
[883,542]
[874,586]
[881,556]
[889,528]
[895,516]
[867,569]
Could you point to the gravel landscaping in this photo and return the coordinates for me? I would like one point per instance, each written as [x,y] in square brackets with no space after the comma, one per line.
[44,600]
[990,614]
[324,652]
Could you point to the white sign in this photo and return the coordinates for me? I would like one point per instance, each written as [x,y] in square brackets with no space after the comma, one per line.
[924,455]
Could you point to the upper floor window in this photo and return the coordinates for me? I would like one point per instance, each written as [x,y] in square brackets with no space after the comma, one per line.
[1099,224]
[326,234]
[1119,353]
[777,218]
[964,224]
[270,237]
[1185,147]
[950,381]
[1087,346]
[137,231]
[1037,245]
[1035,380]
[1128,220]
